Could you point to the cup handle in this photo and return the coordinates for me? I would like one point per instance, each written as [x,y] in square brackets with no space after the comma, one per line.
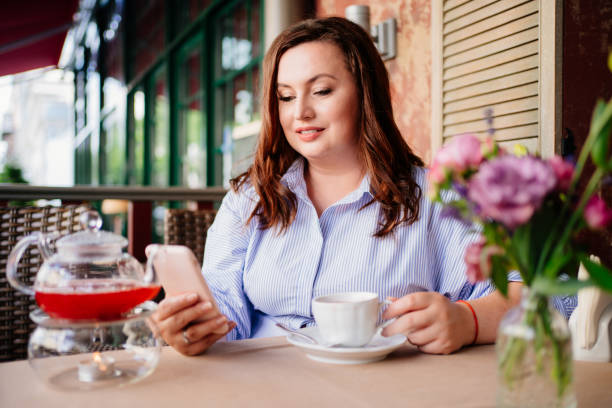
[384,324]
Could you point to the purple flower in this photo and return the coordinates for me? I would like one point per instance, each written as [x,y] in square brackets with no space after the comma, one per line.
[510,189]
[489,119]
[449,211]
[461,189]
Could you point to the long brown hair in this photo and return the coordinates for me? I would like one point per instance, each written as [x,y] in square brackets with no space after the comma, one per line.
[388,160]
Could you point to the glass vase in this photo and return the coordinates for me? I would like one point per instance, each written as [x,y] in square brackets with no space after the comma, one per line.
[534,356]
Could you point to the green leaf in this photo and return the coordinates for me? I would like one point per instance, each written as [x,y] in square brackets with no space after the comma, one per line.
[602,114]
[554,287]
[556,264]
[458,204]
[528,240]
[600,275]
[488,231]
[499,274]
[547,225]
[520,243]
[601,146]
[600,107]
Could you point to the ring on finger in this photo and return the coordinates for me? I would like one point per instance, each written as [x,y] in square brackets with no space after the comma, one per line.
[186,338]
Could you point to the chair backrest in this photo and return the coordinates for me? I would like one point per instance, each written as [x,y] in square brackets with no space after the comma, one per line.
[188,227]
[15,307]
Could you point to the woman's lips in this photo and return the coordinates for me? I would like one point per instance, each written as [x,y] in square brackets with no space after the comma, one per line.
[309,133]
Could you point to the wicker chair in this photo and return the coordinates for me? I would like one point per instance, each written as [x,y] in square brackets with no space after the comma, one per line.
[15,223]
[188,227]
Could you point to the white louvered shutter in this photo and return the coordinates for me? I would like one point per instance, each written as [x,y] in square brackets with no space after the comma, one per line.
[499,54]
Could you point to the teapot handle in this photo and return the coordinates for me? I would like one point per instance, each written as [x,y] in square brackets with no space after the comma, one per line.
[14,258]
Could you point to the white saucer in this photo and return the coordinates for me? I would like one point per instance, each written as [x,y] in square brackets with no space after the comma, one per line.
[375,350]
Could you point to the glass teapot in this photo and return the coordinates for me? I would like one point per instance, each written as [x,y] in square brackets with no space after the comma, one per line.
[89,277]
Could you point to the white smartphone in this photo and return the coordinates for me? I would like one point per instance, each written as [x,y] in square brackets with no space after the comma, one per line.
[179,272]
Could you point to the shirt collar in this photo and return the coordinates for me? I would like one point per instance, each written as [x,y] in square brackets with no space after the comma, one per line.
[294,180]
[364,188]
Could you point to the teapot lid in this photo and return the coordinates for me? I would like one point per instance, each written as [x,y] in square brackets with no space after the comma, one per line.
[91,239]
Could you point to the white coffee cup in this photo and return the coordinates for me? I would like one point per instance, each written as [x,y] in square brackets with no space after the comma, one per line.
[348,319]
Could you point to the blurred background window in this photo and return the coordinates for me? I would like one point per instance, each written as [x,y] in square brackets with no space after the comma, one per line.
[191,103]
[154,93]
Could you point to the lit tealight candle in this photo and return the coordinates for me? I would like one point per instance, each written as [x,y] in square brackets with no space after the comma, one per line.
[98,368]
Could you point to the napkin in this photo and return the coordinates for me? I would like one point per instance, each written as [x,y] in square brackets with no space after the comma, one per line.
[593,305]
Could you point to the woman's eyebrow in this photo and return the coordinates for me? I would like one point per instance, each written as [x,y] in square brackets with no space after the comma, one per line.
[311,80]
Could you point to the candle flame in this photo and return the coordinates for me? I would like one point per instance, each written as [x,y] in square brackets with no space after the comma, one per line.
[98,359]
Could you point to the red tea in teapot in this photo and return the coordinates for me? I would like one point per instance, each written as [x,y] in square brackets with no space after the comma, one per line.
[101,299]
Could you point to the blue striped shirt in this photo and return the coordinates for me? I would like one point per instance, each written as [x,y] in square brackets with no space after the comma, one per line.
[254,272]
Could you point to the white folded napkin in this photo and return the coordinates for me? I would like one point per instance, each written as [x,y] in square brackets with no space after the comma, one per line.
[591,323]
[591,304]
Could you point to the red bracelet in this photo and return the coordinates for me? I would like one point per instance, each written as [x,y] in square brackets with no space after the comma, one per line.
[475,319]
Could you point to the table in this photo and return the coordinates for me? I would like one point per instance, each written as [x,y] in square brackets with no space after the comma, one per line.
[270,372]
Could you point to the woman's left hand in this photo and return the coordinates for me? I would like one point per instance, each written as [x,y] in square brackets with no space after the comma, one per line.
[431,322]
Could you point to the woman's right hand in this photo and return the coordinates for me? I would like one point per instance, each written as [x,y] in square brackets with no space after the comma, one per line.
[174,317]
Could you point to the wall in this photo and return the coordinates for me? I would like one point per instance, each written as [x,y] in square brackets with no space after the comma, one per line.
[410,71]
[280,14]
[587,39]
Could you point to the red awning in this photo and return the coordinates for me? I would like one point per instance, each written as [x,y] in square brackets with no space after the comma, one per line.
[32,33]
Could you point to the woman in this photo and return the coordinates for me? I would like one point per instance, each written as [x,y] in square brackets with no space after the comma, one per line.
[333,202]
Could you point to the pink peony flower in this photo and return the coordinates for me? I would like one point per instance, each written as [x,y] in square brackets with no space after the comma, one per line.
[489,148]
[596,213]
[472,261]
[564,171]
[436,174]
[478,259]
[510,189]
[462,153]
